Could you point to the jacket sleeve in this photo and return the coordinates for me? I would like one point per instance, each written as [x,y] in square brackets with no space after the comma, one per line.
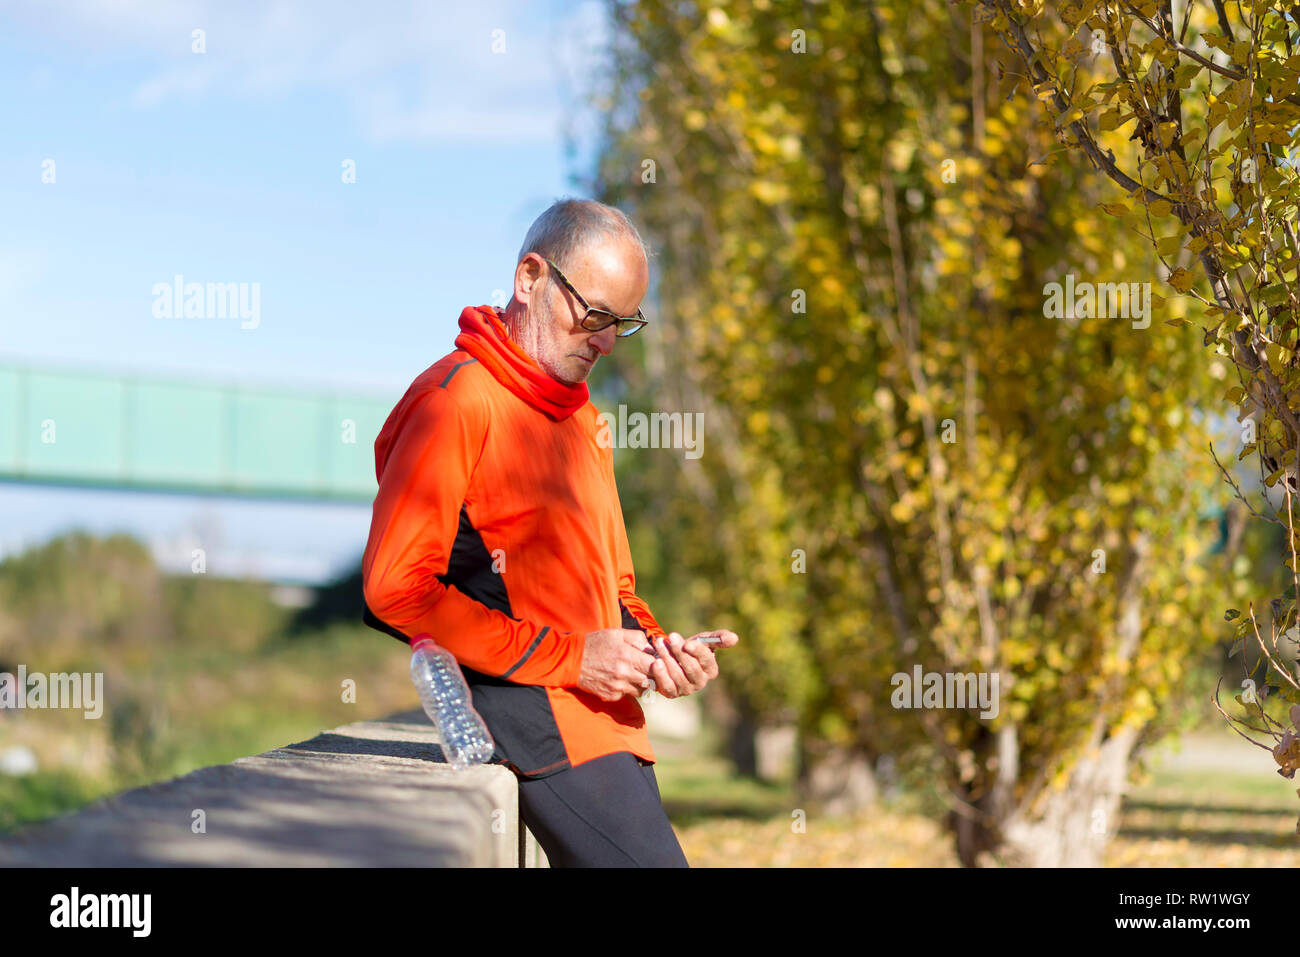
[413,528]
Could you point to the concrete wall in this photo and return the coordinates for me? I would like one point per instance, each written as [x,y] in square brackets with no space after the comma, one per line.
[369,794]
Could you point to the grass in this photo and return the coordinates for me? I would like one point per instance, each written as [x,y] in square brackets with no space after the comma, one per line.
[1176,817]
[32,797]
[200,706]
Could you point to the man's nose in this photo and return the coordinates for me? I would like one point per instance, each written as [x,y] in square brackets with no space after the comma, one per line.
[604,340]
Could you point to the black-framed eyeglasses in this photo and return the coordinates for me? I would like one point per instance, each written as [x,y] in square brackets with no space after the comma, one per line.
[594,320]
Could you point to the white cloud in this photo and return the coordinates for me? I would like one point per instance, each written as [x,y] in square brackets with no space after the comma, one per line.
[409,70]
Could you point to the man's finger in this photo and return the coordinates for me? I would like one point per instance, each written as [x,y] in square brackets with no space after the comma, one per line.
[663,680]
[682,684]
[729,638]
[640,681]
[692,667]
[704,655]
[643,660]
[636,639]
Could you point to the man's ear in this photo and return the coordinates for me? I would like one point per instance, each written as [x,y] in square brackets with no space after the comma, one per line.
[528,276]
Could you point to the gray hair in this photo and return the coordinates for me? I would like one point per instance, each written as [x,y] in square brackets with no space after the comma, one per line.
[571,224]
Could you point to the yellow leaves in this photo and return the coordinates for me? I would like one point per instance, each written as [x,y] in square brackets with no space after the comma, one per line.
[1287,755]
[1118,494]
[1160,207]
[1116,209]
[869,201]
[1215,40]
[1170,615]
[1170,245]
[765,143]
[1218,110]
[1071,115]
[694,120]
[1181,280]
[901,511]
[1111,119]
[1278,356]
[900,151]
[832,286]
[768,192]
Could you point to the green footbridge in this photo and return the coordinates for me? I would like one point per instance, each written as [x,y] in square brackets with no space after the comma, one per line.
[97,430]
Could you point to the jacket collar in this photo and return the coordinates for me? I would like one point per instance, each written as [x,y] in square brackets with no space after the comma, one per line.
[483,335]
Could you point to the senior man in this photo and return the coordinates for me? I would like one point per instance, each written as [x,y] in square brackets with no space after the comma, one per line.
[497,530]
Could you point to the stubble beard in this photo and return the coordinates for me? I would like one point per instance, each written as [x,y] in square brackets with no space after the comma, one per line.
[546,351]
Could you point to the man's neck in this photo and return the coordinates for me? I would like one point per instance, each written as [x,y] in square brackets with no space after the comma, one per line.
[515,320]
[521,331]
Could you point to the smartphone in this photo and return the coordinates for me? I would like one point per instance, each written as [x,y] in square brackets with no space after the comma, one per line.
[710,640]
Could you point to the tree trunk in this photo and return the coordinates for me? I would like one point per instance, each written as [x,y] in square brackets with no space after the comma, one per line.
[1070,827]
[1076,823]
[836,780]
[722,710]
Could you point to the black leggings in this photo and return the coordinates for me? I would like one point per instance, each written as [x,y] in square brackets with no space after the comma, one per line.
[603,813]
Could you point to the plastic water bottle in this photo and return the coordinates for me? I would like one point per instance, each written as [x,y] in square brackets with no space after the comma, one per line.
[441,685]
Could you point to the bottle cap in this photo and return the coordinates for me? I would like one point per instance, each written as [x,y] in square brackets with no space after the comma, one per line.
[422,637]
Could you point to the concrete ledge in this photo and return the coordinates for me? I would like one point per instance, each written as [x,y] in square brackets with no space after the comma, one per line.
[369,794]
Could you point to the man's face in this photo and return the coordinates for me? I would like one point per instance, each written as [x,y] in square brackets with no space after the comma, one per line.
[611,275]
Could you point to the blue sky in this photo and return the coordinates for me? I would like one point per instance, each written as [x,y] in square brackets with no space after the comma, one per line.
[226,166]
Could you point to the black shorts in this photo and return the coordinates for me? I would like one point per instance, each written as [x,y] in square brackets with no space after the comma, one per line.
[603,813]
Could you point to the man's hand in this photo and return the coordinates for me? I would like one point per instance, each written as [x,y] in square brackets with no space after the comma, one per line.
[684,667]
[615,663]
